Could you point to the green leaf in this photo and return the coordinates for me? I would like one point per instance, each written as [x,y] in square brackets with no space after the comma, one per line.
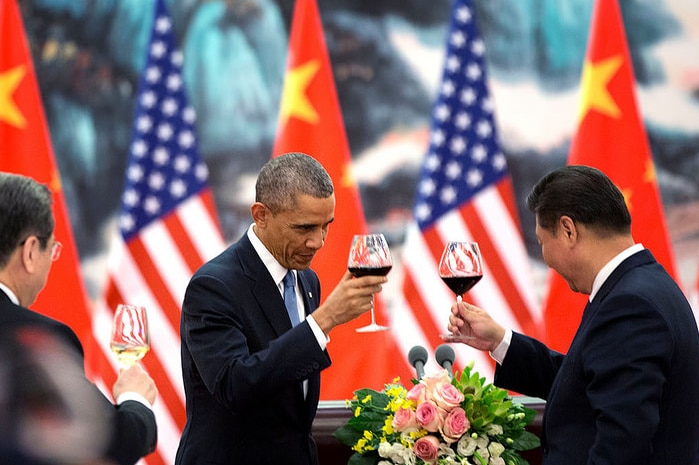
[526,440]
[347,435]
[368,459]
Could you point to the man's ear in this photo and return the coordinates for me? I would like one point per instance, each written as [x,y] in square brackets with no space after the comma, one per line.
[567,227]
[259,213]
[30,251]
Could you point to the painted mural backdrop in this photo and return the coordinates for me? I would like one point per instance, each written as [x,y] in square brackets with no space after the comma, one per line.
[387,58]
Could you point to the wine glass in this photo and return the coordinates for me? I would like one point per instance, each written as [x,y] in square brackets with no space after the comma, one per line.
[460,268]
[130,336]
[369,255]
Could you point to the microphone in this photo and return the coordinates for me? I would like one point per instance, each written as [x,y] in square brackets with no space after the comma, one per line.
[445,357]
[417,358]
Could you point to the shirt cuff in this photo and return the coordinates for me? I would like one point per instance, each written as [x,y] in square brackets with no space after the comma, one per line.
[501,350]
[123,397]
[318,333]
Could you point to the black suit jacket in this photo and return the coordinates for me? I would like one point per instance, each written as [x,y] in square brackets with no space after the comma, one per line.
[627,392]
[243,365]
[134,431]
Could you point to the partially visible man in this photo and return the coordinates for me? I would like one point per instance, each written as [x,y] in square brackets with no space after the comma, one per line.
[27,249]
[626,392]
[251,370]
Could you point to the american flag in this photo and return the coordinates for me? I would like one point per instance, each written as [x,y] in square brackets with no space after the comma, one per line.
[464,193]
[167,227]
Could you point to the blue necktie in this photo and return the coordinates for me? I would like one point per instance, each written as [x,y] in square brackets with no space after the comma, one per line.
[290,298]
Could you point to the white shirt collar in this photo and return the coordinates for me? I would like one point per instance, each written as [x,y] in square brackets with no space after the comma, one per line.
[275,269]
[9,293]
[610,267]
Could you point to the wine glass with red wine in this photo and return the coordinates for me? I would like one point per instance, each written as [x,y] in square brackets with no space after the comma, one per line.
[369,255]
[460,267]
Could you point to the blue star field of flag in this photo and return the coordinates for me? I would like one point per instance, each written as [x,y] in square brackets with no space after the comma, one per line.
[164,166]
[464,156]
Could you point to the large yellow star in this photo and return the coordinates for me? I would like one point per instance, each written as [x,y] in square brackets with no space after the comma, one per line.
[9,81]
[595,95]
[294,99]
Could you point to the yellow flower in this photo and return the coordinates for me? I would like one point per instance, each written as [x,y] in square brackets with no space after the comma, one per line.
[388,425]
[366,399]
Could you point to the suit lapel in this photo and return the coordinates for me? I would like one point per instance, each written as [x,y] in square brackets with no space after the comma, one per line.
[263,288]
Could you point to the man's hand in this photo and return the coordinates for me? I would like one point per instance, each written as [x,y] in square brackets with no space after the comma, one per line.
[351,298]
[135,379]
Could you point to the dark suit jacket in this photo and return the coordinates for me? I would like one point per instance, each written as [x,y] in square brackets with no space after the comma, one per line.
[134,431]
[627,392]
[243,365]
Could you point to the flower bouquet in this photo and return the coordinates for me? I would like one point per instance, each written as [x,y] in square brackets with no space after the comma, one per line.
[440,420]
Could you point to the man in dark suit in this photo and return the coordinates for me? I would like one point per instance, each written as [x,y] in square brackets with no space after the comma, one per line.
[626,392]
[27,249]
[251,378]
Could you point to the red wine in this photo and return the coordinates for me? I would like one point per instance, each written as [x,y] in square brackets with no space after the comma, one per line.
[461,284]
[359,271]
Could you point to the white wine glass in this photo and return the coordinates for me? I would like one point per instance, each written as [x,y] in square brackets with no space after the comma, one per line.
[130,335]
[369,255]
[460,268]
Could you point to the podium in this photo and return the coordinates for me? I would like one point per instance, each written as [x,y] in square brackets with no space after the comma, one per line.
[333,414]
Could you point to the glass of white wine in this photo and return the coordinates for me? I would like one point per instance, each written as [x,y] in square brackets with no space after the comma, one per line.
[130,336]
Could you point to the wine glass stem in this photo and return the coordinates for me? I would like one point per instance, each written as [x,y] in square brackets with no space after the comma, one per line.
[373,318]
[458,299]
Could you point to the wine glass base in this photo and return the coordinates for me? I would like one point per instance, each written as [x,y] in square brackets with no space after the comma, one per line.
[373,327]
[456,338]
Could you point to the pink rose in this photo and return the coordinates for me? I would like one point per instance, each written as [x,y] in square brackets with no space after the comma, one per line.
[417,393]
[432,381]
[447,396]
[404,420]
[455,425]
[429,416]
[427,448]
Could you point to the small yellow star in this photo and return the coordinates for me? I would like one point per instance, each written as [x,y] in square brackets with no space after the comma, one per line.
[595,95]
[628,193]
[649,173]
[9,81]
[348,179]
[294,99]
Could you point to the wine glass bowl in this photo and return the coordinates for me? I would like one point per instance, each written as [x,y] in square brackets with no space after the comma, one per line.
[369,255]
[460,267]
[130,339]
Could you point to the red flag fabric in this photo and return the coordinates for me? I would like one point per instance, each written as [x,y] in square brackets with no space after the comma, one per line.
[465,194]
[26,149]
[310,121]
[612,138]
[167,228]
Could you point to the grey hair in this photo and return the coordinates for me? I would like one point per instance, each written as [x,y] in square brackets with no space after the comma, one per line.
[25,210]
[287,175]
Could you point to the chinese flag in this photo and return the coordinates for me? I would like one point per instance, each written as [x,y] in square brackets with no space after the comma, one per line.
[612,138]
[310,121]
[26,149]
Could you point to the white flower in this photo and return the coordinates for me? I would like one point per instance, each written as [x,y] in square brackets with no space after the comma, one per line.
[496,449]
[496,461]
[493,429]
[397,453]
[466,446]
[483,452]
